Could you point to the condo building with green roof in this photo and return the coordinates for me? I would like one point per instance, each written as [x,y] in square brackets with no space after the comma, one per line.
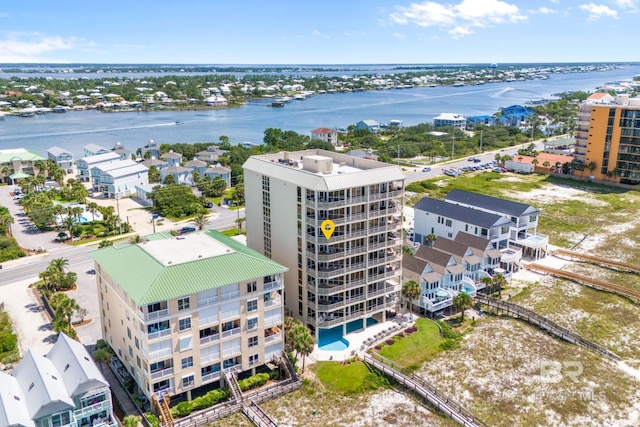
[179,310]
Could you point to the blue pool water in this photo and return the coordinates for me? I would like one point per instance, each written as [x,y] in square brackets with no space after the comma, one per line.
[536,239]
[332,340]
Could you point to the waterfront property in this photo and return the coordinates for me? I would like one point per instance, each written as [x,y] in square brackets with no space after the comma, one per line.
[181,175]
[122,182]
[63,388]
[62,157]
[85,164]
[370,125]
[19,161]
[197,166]
[159,164]
[179,310]
[344,280]
[221,171]
[172,158]
[123,152]
[448,268]
[211,155]
[94,150]
[607,137]
[450,120]
[326,135]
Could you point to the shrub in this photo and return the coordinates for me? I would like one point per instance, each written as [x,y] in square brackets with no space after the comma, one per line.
[210,399]
[8,341]
[415,187]
[389,342]
[254,381]
[153,420]
[182,409]
[377,348]
[275,374]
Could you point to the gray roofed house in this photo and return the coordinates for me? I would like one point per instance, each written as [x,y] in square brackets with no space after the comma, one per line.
[13,408]
[181,175]
[222,172]
[211,155]
[173,158]
[488,203]
[62,157]
[94,150]
[160,164]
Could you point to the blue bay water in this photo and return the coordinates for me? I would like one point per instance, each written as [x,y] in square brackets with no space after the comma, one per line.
[73,130]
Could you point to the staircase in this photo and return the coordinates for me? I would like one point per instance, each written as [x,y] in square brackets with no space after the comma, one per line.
[162,403]
[230,379]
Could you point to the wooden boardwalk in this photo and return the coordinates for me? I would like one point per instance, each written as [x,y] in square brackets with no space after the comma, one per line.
[545,324]
[601,285]
[602,262]
[424,389]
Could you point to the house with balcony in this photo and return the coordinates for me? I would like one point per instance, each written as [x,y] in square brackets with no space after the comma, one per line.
[172,158]
[124,153]
[94,150]
[85,164]
[179,310]
[221,171]
[181,175]
[159,164]
[122,182]
[326,135]
[446,120]
[19,161]
[96,170]
[370,125]
[211,155]
[63,388]
[152,148]
[523,220]
[197,166]
[62,157]
[337,283]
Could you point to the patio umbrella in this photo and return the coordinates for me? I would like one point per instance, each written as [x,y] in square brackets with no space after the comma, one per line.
[443,294]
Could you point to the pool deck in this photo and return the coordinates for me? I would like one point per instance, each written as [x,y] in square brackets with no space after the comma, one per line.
[362,340]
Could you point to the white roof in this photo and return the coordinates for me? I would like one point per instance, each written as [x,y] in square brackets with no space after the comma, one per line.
[115,165]
[78,371]
[56,151]
[100,158]
[13,405]
[189,247]
[450,116]
[94,148]
[119,173]
[347,172]
[43,388]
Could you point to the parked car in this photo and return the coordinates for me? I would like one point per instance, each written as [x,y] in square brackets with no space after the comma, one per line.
[184,230]
[92,271]
[471,159]
[426,169]
[476,160]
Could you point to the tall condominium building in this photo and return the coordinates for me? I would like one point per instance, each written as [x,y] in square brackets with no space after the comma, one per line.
[608,137]
[345,280]
[178,310]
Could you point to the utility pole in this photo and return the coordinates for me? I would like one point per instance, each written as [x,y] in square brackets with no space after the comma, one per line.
[480,142]
[453,145]
[119,219]
[398,154]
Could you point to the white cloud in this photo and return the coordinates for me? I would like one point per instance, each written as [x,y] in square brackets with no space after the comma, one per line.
[626,4]
[30,47]
[319,34]
[597,11]
[399,36]
[459,19]
[542,11]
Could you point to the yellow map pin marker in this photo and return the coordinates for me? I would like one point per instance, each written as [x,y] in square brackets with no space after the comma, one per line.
[327,228]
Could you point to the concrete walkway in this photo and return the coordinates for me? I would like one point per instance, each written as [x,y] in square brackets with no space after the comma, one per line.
[121,395]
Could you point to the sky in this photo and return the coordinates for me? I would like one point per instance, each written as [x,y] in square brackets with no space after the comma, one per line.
[318,32]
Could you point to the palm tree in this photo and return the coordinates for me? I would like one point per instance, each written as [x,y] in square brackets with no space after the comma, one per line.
[59,264]
[546,164]
[41,166]
[429,239]
[239,221]
[92,207]
[410,291]
[462,302]
[105,243]
[591,166]
[499,281]
[488,283]
[102,356]
[135,239]
[301,340]
[200,220]
[534,162]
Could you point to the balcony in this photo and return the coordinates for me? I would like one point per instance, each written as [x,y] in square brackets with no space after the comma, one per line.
[385,275]
[273,338]
[272,302]
[162,373]
[230,296]
[207,301]
[87,411]
[159,334]
[332,320]
[157,314]
[211,376]
[160,353]
[208,320]
[230,314]
[270,286]
[209,358]
[231,332]
[233,368]
[209,339]
[227,352]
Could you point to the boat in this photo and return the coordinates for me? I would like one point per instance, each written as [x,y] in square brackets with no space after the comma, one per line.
[299,97]
[277,103]
[179,123]
[27,114]
[59,109]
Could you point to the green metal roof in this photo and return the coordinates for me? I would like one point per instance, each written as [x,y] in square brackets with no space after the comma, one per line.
[21,154]
[146,280]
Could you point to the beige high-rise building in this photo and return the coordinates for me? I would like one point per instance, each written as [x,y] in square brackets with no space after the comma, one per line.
[178,310]
[345,281]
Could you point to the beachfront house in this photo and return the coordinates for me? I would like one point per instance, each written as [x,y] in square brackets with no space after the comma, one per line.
[123,152]
[97,170]
[62,388]
[62,157]
[211,155]
[121,182]
[152,148]
[370,125]
[94,150]
[446,120]
[159,164]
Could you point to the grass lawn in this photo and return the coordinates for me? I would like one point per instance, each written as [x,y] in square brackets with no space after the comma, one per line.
[11,355]
[415,348]
[216,200]
[344,379]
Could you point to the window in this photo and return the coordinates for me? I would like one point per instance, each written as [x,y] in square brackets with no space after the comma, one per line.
[252,287]
[187,362]
[254,359]
[252,323]
[184,303]
[448,223]
[185,323]
[188,381]
[253,341]
[252,305]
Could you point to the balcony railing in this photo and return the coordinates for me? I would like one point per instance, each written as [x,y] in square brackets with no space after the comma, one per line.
[157,314]
[233,368]
[226,352]
[269,286]
[160,353]
[167,390]
[92,409]
[231,332]
[207,301]
[228,296]
[209,358]
[384,275]
[273,338]
[230,314]
[273,302]
[162,373]
[385,290]
[209,338]
[159,334]
[208,320]
[211,376]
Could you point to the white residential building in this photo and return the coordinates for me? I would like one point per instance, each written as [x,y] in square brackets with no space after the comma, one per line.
[86,163]
[349,279]
[122,182]
[326,135]
[450,120]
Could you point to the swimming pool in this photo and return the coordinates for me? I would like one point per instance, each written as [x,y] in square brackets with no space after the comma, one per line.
[332,340]
[536,238]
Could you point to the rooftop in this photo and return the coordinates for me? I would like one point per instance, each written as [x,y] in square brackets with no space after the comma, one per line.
[168,267]
[22,154]
[494,204]
[460,213]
